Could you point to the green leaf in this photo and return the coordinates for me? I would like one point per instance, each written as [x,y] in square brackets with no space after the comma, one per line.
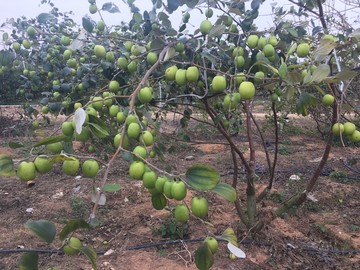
[72,226]
[320,73]
[325,47]
[110,7]
[204,258]
[45,18]
[50,140]
[137,17]
[229,235]
[6,58]
[292,49]
[191,3]
[111,187]
[29,261]
[346,75]
[292,32]
[98,131]
[226,191]
[87,24]
[283,71]
[170,53]
[90,253]
[98,127]
[44,229]
[202,177]
[305,100]
[6,165]
[217,30]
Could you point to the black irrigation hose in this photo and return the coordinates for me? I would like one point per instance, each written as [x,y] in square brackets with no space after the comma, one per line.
[175,242]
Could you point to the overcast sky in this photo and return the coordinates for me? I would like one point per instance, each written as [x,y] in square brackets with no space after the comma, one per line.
[32,8]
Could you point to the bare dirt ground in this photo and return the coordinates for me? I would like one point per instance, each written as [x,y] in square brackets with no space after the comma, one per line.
[324,233]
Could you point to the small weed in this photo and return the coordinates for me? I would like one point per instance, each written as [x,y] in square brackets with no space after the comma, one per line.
[170,228]
[78,206]
[283,150]
[321,228]
[278,197]
[340,176]
[354,228]
[312,206]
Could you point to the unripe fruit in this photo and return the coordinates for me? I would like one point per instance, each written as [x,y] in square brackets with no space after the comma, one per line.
[259,77]
[149,179]
[228,21]
[252,41]
[125,143]
[247,90]
[65,40]
[67,54]
[26,171]
[140,151]
[122,63]
[192,74]
[16,46]
[93,9]
[71,166]
[328,100]
[26,43]
[337,128]
[218,84]
[128,45]
[137,170]
[120,117]
[99,51]
[167,188]
[355,137]
[145,95]
[132,66]
[146,138]
[212,244]
[159,184]
[179,190]
[90,168]
[181,213]
[269,50]
[158,201]
[239,61]
[208,13]
[151,58]
[199,207]
[100,25]
[302,50]
[180,77]
[114,110]
[205,27]
[261,43]
[110,57]
[273,40]
[73,246]
[180,47]
[239,78]
[83,136]
[114,86]
[349,128]
[97,103]
[133,130]
[67,128]
[170,73]
[55,148]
